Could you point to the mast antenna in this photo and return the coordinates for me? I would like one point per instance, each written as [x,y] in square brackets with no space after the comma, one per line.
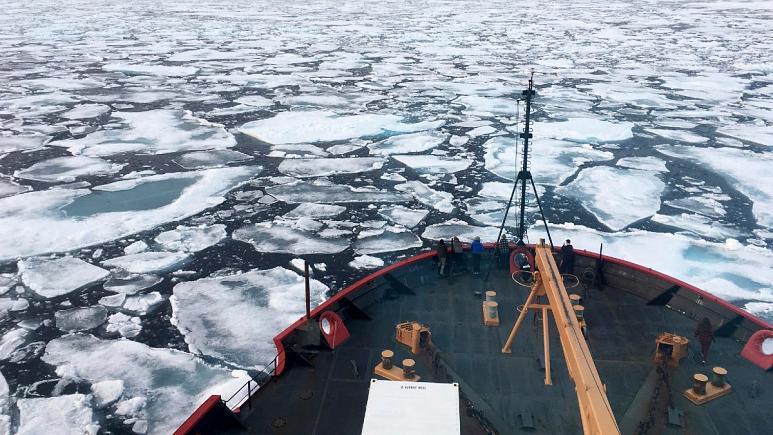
[524,175]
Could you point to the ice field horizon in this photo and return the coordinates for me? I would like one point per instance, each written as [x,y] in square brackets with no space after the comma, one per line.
[166,166]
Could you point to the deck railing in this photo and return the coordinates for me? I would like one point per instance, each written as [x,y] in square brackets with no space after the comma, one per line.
[262,378]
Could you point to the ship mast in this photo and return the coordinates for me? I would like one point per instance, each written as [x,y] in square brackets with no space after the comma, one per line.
[524,176]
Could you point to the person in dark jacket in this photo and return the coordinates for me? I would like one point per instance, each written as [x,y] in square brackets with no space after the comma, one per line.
[503,252]
[567,258]
[442,255]
[477,251]
[705,334]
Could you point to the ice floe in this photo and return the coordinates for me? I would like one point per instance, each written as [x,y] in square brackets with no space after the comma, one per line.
[67,169]
[701,225]
[142,304]
[649,163]
[80,319]
[106,392]
[325,192]
[150,261]
[192,239]
[162,376]
[440,201]
[210,159]
[35,222]
[757,134]
[743,168]
[312,210]
[235,317]
[130,283]
[408,143]
[389,239]
[461,229]
[9,188]
[678,135]
[151,132]
[22,143]
[150,70]
[64,415]
[50,278]
[366,262]
[585,130]
[323,167]
[86,111]
[424,164]
[616,197]
[404,216]
[12,340]
[271,237]
[324,126]
[555,159]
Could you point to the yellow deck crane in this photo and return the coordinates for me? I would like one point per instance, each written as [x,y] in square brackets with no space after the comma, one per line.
[595,411]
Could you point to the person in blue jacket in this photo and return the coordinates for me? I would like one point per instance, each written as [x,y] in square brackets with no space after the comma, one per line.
[477,251]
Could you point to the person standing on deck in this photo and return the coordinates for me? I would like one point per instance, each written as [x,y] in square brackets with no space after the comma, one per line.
[567,258]
[457,256]
[503,252]
[705,334]
[477,252]
[442,255]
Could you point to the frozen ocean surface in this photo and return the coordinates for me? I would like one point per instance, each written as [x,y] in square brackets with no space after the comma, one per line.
[160,147]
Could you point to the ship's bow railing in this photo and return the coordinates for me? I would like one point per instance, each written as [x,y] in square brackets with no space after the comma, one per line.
[244,393]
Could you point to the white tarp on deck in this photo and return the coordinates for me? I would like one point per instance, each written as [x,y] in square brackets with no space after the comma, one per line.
[412,408]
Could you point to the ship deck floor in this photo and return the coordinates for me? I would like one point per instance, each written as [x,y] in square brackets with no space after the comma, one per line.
[507,389]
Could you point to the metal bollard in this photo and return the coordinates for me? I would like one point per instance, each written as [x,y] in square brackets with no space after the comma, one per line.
[386,359]
[699,383]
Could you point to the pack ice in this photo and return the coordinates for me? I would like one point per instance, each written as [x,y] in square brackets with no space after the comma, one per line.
[325,126]
[617,197]
[65,415]
[50,278]
[556,159]
[235,317]
[62,219]
[151,132]
[159,376]
[67,169]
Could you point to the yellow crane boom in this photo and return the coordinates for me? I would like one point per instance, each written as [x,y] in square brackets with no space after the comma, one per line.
[595,411]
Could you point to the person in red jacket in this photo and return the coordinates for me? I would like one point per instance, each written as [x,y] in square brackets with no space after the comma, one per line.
[705,334]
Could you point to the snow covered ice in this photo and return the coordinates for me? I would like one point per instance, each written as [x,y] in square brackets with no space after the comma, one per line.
[235,317]
[67,169]
[162,376]
[37,222]
[617,197]
[66,415]
[51,278]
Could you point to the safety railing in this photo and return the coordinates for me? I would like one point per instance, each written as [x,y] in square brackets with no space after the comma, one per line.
[244,393]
